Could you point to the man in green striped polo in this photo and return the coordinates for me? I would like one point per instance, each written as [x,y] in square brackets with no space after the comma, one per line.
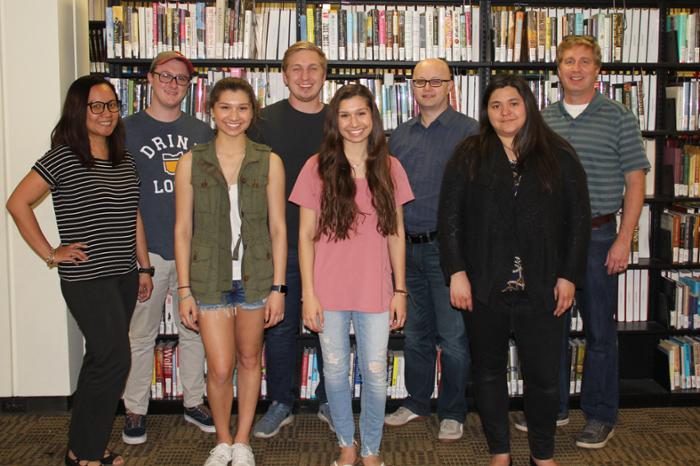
[609,144]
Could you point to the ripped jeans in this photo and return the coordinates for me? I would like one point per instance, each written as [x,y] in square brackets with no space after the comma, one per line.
[372,337]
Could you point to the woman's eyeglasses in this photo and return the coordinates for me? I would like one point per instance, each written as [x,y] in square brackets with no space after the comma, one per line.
[99,107]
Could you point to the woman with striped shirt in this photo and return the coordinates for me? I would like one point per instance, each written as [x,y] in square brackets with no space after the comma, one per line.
[95,189]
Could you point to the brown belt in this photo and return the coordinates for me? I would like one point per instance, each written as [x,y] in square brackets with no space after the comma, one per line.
[598,222]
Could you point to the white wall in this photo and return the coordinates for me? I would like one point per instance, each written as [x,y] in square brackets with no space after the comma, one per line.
[43,49]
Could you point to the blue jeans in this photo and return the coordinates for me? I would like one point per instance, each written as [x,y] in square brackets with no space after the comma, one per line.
[372,338]
[281,342]
[431,313]
[597,302]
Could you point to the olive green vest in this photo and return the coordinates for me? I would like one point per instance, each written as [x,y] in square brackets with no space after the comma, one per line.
[210,265]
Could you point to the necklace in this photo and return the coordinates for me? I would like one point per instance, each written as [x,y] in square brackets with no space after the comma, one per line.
[509,148]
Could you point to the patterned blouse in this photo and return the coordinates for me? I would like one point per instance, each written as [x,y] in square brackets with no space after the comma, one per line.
[517,281]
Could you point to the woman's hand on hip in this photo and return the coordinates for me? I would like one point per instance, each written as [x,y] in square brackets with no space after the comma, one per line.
[70,253]
[274,309]
[461,291]
[564,295]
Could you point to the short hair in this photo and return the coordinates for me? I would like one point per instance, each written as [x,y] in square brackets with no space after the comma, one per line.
[569,42]
[302,45]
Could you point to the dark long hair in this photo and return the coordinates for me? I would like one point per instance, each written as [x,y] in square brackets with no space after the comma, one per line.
[234,85]
[339,211]
[534,144]
[71,128]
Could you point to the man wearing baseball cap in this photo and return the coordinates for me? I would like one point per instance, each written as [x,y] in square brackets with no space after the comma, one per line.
[157,137]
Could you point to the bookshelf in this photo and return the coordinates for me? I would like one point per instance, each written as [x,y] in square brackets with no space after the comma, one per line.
[640,383]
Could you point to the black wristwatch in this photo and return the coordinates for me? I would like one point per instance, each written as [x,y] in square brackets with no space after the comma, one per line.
[151,271]
[280,289]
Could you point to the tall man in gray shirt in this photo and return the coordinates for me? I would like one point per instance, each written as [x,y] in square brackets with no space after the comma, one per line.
[157,137]
[609,144]
[423,145]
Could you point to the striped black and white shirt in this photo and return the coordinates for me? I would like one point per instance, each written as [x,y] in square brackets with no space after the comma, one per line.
[95,206]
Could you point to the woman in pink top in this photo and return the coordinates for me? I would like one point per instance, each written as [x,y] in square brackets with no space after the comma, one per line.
[350,239]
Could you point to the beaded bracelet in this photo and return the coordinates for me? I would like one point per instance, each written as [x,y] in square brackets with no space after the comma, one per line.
[184,298]
[52,255]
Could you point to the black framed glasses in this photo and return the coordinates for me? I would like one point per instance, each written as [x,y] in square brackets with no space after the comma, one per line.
[433,82]
[99,107]
[167,78]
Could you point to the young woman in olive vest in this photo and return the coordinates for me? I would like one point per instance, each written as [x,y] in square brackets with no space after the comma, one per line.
[230,263]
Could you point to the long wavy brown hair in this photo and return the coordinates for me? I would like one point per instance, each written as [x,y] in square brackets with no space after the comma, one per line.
[339,212]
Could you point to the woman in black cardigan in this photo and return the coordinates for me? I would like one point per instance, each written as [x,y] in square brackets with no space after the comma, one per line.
[514,227]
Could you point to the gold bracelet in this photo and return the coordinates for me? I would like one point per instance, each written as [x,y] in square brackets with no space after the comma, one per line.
[52,255]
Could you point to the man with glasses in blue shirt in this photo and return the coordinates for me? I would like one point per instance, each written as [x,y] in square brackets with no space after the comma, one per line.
[423,145]
[157,137]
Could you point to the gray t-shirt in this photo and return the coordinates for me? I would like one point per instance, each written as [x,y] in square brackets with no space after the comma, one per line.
[156,147]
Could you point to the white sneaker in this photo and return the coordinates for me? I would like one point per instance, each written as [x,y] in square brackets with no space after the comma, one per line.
[401,417]
[450,431]
[242,455]
[219,456]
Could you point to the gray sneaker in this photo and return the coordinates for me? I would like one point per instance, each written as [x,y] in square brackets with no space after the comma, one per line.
[324,414]
[521,424]
[594,436]
[450,431]
[401,417]
[277,416]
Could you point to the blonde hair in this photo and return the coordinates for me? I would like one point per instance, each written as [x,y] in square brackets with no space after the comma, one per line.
[569,42]
[301,45]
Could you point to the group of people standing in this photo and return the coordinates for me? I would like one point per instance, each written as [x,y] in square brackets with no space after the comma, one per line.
[303,212]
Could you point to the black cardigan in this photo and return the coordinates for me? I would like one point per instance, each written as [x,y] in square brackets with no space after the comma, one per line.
[482,225]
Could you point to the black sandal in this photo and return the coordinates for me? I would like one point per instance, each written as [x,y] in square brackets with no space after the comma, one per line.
[76,462]
[110,457]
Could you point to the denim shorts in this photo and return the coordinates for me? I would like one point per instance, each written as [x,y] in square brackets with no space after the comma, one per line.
[232,299]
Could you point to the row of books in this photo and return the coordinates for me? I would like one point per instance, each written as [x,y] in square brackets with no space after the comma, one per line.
[577,353]
[98,63]
[683,354]
[166,381]
[167,324]
[682,156]
[636,91]
[633,296]
[200,30]
[532,34]
[679,240]
[395,101]
[686,97]
[394,32]
[684,22]
[679,292]
[96,10]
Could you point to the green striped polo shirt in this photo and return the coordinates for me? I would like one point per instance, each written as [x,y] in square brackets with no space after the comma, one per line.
[609,144]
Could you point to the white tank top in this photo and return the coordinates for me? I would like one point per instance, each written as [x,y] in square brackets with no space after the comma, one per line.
[235,217]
